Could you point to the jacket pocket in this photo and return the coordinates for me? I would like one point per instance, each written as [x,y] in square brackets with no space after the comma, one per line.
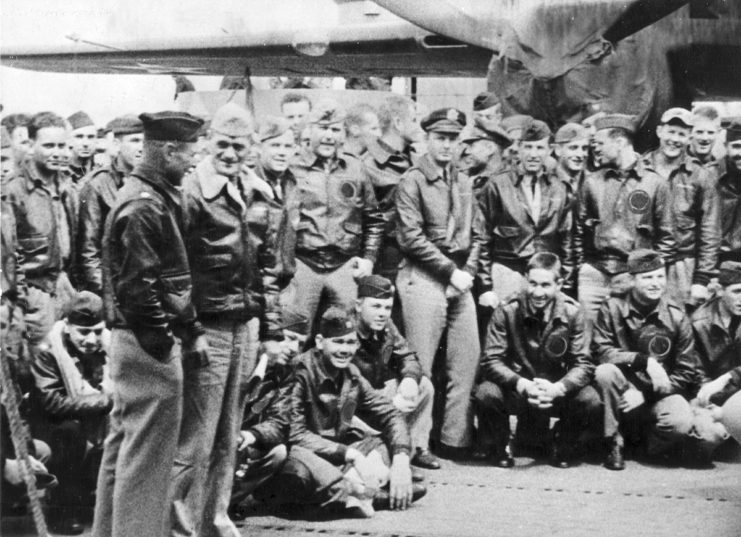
[507,232]
[177,292]
[352,227]
[34,245]
[685,223]
[215,261]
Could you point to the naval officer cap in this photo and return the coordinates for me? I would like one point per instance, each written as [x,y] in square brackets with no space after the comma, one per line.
[677,116]
[644,260]
[516,122]
[615,121]
[375,286]
[171,126]
[449,120]
[570,132]
[493,133]
[127,124]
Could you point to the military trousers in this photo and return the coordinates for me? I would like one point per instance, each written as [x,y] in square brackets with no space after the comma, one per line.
[428,312]
[256,468]
[594,288]
[731,416]
[666,422]
[213,399]
[578,412]
[140,449]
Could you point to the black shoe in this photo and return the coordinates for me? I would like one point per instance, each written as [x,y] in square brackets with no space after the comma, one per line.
[381,501]
[425,459]
[417,475]
[66,526]
[481,454]
[237,512]
[503,457]
[615,459]
[560,456]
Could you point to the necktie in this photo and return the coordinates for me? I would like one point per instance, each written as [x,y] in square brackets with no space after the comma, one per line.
[454,213]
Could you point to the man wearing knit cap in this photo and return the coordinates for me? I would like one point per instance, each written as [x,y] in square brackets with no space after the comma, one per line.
[72,400]
[482,154]
[235,298]
[571,146]
[622,207]
[147,287]
[263,445]
[729,192]
[436,210]
[696,209]
[525,210]
[338,225]
[386,361]
[387,159]
[98,193]
[329,390]
[44,206]
[487,110]
[648,368]
[83,140]
[717,328]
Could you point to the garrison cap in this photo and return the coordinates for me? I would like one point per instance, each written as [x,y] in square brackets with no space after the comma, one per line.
[336,322]
[644,260]
[570,132]
[589,121]
[171,126]
[375,286]
[677,115]
[294,321]
[485,100]
[4,137]
[128,124]
[733,129]
[79,120]
[327,113]
[730,273]
[493,133]
[444,120]
[85,309]
[518,121]
[537,130]
[272,127]
[232,120]
[615,121]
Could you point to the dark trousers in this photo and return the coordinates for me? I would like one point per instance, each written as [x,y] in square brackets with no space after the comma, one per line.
[578,412]
[74,462]
[254,470]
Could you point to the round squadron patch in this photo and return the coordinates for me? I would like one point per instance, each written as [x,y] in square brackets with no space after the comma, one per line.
[659,346]
[639,201]
[347,189]
[556,346]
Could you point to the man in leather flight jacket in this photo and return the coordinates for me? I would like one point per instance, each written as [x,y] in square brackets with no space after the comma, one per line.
[147,293]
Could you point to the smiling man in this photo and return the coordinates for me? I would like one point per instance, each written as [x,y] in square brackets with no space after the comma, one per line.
[98,194]
[329,390]
[536,364]
[525,210]
[705,132]
[648,368]
[339,226]
[695,206]
[44,206]
[571,146]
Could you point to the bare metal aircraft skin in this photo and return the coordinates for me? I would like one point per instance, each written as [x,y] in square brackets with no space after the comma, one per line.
[558,60]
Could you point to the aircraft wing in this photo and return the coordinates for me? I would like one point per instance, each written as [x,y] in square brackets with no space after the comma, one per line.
[271,37]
